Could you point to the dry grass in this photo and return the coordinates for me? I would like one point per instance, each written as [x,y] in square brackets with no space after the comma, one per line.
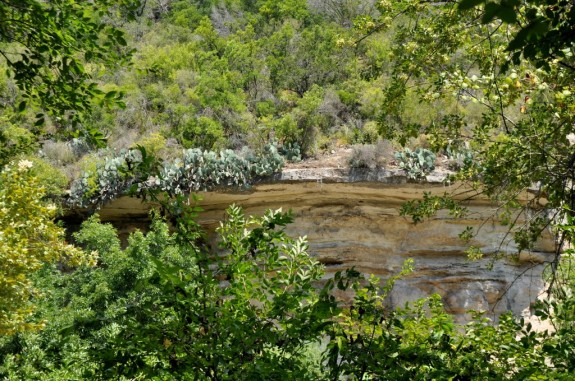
[372,156]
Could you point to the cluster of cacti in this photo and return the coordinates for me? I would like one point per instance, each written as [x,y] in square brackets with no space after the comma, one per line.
[112,178]
[459,158]
[133,172]
[291,152]
[417,164]
[267,163]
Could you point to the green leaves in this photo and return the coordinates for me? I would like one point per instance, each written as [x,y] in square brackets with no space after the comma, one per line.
[540,32]
[29,239]
[164,306]
[531,32]
[419,210]
[505,10]
[464,5]
[493,10]
[42,45]
[22,106]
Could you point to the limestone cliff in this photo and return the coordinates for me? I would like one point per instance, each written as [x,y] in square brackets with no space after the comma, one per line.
[351,218]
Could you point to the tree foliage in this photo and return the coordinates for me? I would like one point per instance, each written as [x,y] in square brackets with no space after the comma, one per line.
[28,240]
[166,307]
[543,29]
[45,46]
[484,59]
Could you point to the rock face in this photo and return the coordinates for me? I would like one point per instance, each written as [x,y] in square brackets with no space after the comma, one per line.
[352,219]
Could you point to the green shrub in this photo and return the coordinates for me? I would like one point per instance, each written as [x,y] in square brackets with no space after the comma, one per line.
[286,129]
[202,132]
[14,141]
[154,143]
[54,181]
[367,134]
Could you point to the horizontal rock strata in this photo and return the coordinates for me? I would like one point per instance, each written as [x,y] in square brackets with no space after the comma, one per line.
[352,219]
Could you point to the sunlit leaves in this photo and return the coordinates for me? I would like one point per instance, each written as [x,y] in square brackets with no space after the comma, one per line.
[28,240]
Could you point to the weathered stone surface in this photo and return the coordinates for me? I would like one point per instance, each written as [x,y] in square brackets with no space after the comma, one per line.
[350,223]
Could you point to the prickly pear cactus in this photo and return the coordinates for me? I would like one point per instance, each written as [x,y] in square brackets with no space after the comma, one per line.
[196,170]
[417,164]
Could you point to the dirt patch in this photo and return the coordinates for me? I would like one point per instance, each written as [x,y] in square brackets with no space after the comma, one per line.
[339,158]
[336,158]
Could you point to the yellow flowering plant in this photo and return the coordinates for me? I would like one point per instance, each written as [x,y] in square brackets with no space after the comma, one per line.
[29,238]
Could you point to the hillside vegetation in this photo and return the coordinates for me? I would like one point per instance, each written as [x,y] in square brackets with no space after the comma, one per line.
[216,75]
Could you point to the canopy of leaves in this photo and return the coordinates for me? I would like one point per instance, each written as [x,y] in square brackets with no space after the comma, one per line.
[165,307]
[544,29]
[514,103]
[45,47]
[28,240]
